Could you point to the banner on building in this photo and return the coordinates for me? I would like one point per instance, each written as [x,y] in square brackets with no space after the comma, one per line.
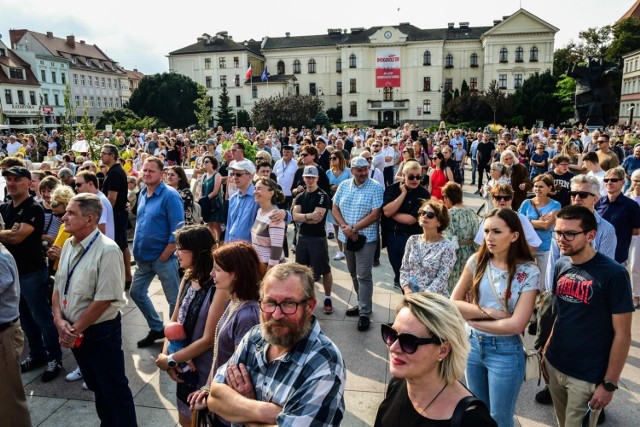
[387,67]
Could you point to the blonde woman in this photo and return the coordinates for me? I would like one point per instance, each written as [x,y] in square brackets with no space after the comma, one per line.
[572,151]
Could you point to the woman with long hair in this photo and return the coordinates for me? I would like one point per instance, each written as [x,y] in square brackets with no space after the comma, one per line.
[174,176]
[428,352]
[212,188]
[439,176]
[495,295]
[52,223]
[198,310]
[267,236]
[338,172]
[407,155]
[572,151]
[518,177]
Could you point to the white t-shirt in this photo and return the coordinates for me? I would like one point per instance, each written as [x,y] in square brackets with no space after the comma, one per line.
[13,147]
[388,152]
[529,233]
[600,177]
[107,216]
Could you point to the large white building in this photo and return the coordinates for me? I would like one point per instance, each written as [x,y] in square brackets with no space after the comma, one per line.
[379,75]
[630,96]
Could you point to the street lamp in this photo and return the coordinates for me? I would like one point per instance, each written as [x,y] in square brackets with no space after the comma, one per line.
[631,109]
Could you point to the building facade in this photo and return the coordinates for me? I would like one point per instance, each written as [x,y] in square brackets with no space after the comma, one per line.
[375,76]
[630,96]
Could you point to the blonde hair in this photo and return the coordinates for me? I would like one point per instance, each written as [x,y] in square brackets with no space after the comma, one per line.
[62,194]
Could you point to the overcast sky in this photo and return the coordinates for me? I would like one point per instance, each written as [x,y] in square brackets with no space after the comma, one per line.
[139,34]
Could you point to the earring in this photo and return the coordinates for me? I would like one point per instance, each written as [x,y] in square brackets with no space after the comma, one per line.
[440,359]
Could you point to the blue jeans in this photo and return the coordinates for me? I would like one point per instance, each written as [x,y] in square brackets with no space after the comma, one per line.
[36,317]
[495,371]
[474,167]
[101,360]
[169,278]
[395,250]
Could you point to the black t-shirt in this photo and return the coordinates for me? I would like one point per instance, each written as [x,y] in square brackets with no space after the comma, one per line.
[586,297]
[484,152]
[396,410]
[410,205]
[308,203]
[563,182]
[323,179]
[29,253]
[116,180]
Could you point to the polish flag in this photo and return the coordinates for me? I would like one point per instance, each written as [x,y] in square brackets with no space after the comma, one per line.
[247,76]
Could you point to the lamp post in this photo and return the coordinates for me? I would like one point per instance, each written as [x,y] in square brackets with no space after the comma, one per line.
[631,109]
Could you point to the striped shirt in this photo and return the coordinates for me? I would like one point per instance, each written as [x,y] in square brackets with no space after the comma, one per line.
[267,238]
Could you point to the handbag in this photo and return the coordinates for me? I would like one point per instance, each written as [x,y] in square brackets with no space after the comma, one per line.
[356,245]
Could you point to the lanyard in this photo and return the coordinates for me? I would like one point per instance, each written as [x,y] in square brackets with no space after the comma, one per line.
[73,269]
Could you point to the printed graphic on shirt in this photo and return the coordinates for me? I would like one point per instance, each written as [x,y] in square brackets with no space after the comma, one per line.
[574,288]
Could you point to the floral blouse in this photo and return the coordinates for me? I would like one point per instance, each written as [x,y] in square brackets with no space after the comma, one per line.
[426,266]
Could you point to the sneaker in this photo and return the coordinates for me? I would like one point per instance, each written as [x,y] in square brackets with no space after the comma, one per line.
[363,323]
[84,386]
[397,286]
[51,371]
[478,193]
[544,396]
[75,375]
[151,338]
[353,311]
[29,363]
[328,306]
[339,256]
[331,236]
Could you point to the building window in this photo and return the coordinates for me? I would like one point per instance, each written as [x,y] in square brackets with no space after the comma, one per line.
[448,85]
[105,102]
[236,80]
[517,81]
[339,65]
[82,80]
[352,61]
[85,102]
[109,83]
[54,78]
[426,106]
[338,88]
[448,62]
[207,82]
[426,84]
[104,82]
[46,99]
[90,81]
[504,54]
[20,97]
[280,68]
[32,97]
[92,102]
[238,101]
[353,109]
[296,88]
[473,61]
[99,102]
[223,81]
[110,102]
[207,63]
[236,62]
[3,52]
[502,81]
[254,92]
[7,96]
[75,79]
[312,66]
[519,54]
[77,101]
[63,78]
[387,94]
[533,54]
[16,73]
[473,83]
[56,99]
[43,75]
[426,58]
[313,91]
[296,66]
[222,62]
[352,86]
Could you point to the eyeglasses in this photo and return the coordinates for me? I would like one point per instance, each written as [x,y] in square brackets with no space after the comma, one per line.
[428,214]
[77,185]
[581,194]
[375,145]
[368,159]
[333,158]
[411,177]
[569,236]
[206,161]
[286,307]
[304,154]
[612,180]
[502,198]
[239,174]
[408,343]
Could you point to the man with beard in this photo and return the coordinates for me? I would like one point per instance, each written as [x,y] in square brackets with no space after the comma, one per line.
[285,371]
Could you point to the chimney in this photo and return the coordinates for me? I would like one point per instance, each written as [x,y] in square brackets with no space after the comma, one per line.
[287,34]
[81,41]
[49,35]
[71,41]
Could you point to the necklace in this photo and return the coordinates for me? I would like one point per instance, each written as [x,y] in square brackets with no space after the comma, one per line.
[426,407]
[228,313]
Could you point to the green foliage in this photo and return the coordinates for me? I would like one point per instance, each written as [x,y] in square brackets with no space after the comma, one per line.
[456,93]
[335,115]
[321,119]
[244,119]
[565,93]
[564,57]
[225,116]
[67,120]
[168,96]
[448,96]
[468,107]
[113,115]
[536,100]
[594,42]
[626,38]
[493,96]
[203,107]
[279,111]
[88,129]
[465,87]
[239,138]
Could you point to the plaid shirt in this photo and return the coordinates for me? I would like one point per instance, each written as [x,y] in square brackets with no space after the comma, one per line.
[357,202]
[307,382]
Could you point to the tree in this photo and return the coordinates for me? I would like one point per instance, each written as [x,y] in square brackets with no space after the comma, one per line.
[465,87]
[564,57]
[536,100]
[595,42]
[335,115]
[565,92]
[113,115]
[68,119]
[493,96]
[468,107]
[244,119]
[626,38]
[321,119]
[279,111]
[167,96]
[203,108]
[225,116]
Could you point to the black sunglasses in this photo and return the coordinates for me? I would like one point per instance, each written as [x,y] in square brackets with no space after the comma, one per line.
[408,343]
[428,214]
[304,154]
[581,194]
[612,179]
[501,198]
[411,177]
[333,157]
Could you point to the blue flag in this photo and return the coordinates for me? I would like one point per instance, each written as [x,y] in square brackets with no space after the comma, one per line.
[265,75]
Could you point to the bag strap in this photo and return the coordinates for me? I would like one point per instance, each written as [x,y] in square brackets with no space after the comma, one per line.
[461,408]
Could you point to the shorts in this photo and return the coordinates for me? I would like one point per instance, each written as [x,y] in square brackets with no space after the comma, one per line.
[120,223]
[313,252]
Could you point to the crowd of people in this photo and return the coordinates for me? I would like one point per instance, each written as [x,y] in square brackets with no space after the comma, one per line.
[554,251]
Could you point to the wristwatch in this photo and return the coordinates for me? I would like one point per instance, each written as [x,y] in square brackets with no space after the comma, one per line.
[171,361]
[610,386]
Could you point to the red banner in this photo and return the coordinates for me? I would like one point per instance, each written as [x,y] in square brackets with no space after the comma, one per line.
[387,67]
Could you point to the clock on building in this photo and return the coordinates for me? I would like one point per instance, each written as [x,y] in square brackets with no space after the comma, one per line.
[387,34]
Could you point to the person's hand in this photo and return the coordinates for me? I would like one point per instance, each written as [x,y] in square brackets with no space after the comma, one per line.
[15,227]
[173,374]
[600,398]
[162,361]
[238,379]
[346,230]
[546,217]
[66,333]
[496,314]
[198,400]
[407,290]
[315,216]
[403,188]
[54,252]
[278,215]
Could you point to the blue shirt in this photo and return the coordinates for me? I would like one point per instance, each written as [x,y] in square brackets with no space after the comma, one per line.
[357,202]
[243,210]
[529,211]
[159,215]
[624,214]
[630,164]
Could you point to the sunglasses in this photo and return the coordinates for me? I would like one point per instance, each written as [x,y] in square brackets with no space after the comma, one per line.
[408,343]
[206,161]
[239,174]
[428,214]
[581,194]
[501,198]
[411,177]
[612,180]
[304,154]
[333,158]
[78,184]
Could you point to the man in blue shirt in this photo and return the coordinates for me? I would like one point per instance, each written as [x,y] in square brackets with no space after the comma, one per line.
[630,164]
[160,214]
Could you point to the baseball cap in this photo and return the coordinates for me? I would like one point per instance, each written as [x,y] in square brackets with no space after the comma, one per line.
[287,147]
[243,165]
[310,171]
[18,171]
[359,162]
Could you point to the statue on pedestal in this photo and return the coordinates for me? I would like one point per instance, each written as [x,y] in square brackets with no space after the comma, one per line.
[595,98]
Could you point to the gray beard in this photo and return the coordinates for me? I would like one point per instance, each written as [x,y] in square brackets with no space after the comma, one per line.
[288,340]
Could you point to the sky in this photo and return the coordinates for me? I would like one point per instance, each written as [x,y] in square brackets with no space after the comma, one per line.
[140,34]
